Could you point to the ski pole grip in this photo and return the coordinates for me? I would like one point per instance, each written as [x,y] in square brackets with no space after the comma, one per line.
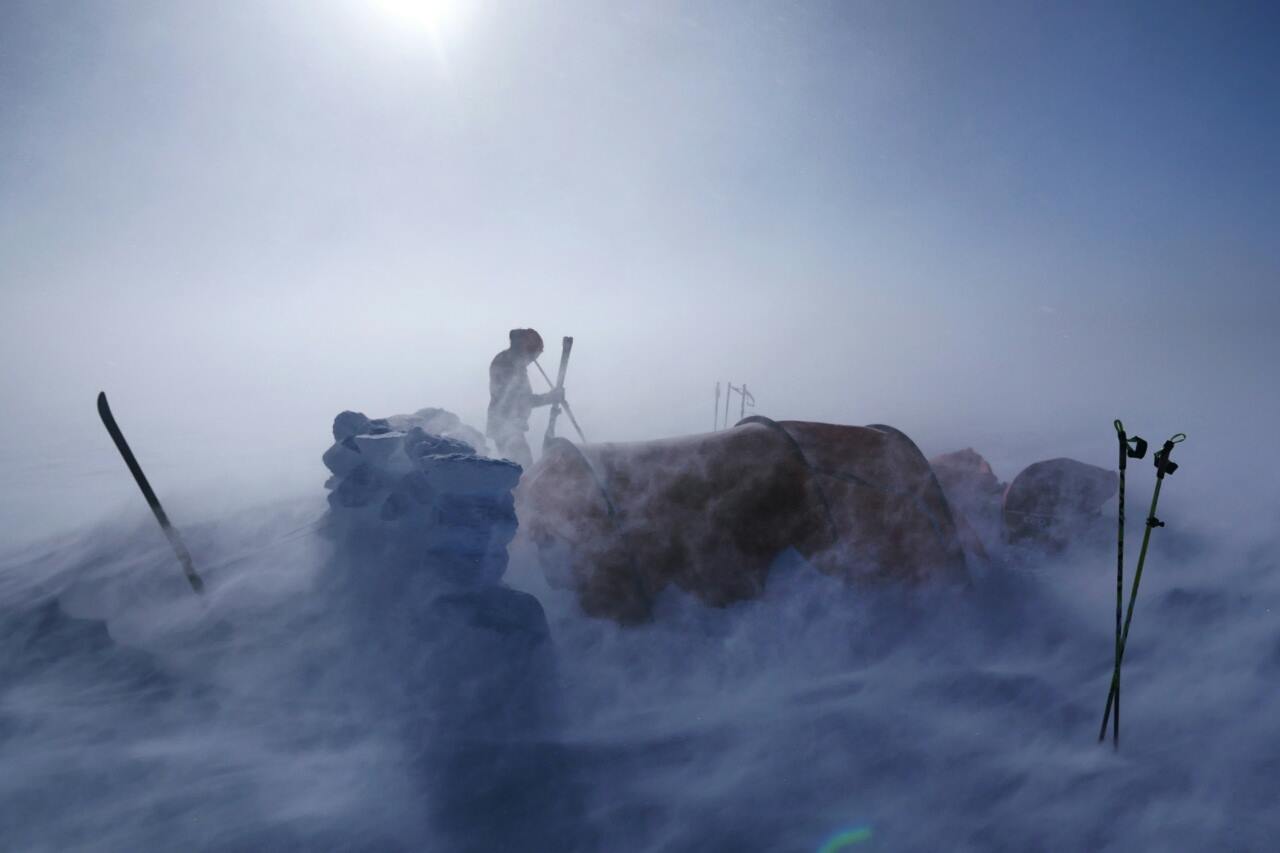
[1131,447]
[1162,461]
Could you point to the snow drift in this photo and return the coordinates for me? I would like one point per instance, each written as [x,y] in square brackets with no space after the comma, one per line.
[340,687]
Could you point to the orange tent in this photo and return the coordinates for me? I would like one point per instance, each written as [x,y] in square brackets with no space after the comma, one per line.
[710,513]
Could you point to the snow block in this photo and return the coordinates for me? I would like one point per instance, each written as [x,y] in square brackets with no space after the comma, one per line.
[463,665]
[348,424]
[470,523]
[344,457]
[419,443]
[470,475]
[508,631]
[384,451]
[442,424]
[430,498]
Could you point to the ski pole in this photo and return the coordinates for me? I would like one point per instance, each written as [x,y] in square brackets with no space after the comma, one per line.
[1163,466]
[184,556]
[564,404]
[1136,451]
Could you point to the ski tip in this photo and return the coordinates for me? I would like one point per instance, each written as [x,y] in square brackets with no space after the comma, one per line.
[102,400]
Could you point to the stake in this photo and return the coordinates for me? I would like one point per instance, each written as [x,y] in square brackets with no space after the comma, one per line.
[716,421]
[184,556]
[1163,466]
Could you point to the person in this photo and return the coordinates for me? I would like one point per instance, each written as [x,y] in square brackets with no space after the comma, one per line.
[511,397]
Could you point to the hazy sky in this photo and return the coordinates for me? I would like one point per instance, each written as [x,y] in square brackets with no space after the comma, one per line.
[999,224]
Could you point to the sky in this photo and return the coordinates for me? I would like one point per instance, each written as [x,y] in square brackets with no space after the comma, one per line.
[989,224]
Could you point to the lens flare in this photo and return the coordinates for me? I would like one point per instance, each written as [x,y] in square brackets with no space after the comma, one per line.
[846,839]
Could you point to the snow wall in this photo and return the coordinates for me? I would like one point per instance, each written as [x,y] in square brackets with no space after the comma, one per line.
[422,522]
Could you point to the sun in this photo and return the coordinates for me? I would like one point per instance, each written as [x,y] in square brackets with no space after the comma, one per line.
[436,18]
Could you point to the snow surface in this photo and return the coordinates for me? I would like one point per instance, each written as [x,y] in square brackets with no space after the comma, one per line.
[294,707]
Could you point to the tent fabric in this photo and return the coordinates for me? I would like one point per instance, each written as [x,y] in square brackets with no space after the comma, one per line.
[710,513]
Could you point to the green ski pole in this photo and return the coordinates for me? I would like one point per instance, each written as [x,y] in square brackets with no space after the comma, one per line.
[1163,467]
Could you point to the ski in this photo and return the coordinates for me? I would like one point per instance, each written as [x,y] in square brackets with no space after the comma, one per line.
[566,346]
[184,556]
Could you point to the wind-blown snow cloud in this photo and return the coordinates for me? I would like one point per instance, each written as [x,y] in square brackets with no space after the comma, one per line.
[989,226]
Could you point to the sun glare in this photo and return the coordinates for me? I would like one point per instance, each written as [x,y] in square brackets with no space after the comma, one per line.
[437,18]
